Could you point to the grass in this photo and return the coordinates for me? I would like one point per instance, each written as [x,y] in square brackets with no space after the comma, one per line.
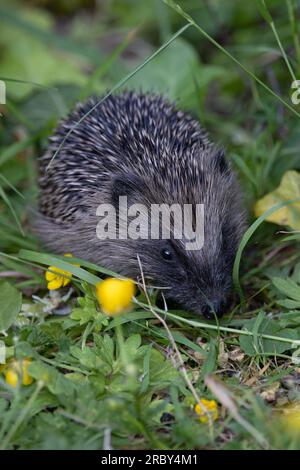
[132,382]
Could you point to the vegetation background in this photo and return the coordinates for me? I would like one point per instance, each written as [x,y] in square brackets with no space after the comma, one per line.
[120,383]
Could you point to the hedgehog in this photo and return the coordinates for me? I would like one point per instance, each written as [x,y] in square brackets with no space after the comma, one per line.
[141,146]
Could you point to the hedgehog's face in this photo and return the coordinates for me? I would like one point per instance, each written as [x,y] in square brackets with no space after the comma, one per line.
[194,280]
[197,280]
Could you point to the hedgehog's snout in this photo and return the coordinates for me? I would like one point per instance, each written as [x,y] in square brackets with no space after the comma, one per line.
[208,305]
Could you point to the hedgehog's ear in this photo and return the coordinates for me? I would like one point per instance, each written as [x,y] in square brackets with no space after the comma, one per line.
[130,186]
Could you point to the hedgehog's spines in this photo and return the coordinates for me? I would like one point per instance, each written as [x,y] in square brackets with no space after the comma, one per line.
[131,131]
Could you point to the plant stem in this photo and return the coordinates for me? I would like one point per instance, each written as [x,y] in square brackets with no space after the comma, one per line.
[225,329]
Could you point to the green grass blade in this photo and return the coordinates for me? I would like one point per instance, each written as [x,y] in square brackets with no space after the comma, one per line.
[94,267]
[268,17]
[26,82]
[295,30]
[11,208]
[50,260]
[11,186]
[240,163]
[218,328]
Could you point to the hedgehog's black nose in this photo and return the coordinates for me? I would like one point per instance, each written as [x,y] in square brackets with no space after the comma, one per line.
[213,309]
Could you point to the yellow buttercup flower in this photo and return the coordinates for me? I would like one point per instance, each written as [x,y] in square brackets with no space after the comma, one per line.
[12,378]
[17,371]
[115,295]
[57,278]
[211,407]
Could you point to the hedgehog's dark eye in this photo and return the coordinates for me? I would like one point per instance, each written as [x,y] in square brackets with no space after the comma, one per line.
[167,254]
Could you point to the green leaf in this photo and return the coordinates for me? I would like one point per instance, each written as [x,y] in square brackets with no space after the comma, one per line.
[131,345]
[86,311]
[181,62]
[258,345]
[290,304]
[105,348]
[287,287]
[27,57]
[162,371]
[10,305]
[44,106]
[87,357]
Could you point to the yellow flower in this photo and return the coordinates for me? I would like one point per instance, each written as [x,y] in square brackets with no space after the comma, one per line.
[16,371]
[12,378]
[115,295]
[57,278]
[211,410]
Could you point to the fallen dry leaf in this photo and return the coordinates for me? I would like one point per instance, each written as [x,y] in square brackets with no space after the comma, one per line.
[236,355]
[288,189]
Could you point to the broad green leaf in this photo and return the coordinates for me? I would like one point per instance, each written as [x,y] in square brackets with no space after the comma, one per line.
[174,72]
[10,305]
[287,287]
[289,319]
[28,58]
[86,311]
[255,345]
[290,304]
[162,371]
[132,345]
[44,106]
